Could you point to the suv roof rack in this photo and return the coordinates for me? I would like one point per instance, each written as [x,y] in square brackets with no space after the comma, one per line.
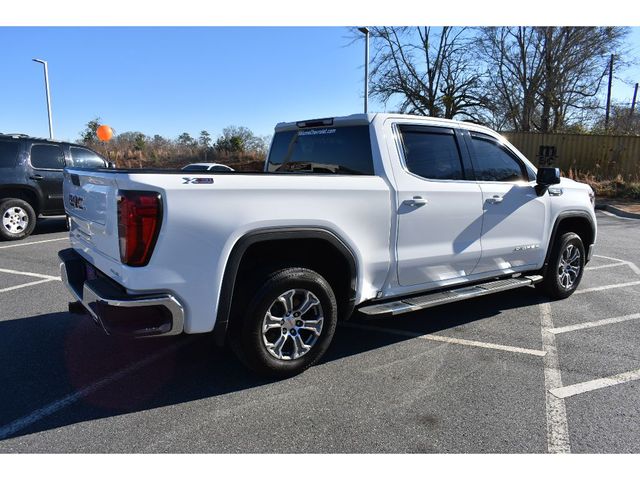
[15,134]
[24,135]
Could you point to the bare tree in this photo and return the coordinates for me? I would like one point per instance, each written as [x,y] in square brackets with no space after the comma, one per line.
[622,122]
[545,78]
[430,70]
[515,69]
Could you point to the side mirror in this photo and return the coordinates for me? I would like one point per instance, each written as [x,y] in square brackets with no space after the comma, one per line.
[111,165]
[548,176]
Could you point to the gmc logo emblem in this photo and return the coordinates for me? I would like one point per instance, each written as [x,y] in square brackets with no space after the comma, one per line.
[76,202]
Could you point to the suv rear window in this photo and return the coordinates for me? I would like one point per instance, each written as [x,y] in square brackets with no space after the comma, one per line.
[47,156]
[338,150]
[8,153]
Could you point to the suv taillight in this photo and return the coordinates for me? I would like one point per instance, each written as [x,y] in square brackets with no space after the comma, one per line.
[139,219]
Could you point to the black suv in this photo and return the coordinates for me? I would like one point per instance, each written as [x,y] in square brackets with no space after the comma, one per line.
[31,179]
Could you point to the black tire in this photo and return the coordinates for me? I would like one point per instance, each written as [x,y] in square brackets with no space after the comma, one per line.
[551,286]
[9,229]
[246,336]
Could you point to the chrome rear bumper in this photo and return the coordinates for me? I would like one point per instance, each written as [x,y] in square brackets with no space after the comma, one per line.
[115,310]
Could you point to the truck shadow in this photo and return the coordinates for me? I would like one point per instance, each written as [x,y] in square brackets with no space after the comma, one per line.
[59,370]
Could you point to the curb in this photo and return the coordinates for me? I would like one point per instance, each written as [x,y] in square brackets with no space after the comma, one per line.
[617,211]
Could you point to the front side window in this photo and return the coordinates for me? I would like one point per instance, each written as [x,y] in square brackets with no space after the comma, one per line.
[432,153]
[493,163]
[337,150]
[8,153]
[86,158]
[47,156]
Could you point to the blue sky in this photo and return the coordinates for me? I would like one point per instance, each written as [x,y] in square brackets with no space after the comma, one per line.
[170,80]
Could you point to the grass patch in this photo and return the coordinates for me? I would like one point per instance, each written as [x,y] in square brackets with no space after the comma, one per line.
[617,187]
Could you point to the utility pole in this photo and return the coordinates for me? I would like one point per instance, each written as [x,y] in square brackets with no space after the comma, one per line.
[365,30]
[633,102]
[46,84]
[606,118]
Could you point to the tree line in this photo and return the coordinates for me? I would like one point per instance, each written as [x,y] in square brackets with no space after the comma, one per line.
[236,146]
[523,79]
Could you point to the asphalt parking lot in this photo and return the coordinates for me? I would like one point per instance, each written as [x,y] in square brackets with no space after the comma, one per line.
[503,373]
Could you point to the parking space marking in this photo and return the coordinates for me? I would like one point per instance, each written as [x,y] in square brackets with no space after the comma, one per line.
[608,287]
[596,323]
[22,285]
[33,243]
[64,402]
[631,265]
[591,385]
[438,338]
[608,265]
[30,274]
[556,410]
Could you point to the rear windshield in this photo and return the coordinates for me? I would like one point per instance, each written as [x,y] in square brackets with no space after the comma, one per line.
[339,150]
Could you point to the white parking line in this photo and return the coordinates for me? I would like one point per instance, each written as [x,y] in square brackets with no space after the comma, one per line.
[608,287]
[438,338]
[29,274]
[53,407]
[33,243]
[632,265]
[591,385]
[596,323]
[22,285]
[608,265]
[557,426]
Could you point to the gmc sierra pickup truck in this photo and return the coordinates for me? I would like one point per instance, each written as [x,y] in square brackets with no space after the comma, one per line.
[382,213]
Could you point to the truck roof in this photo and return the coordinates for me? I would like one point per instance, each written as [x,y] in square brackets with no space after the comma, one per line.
[366,118]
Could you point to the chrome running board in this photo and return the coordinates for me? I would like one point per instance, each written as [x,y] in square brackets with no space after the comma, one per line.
[397,307]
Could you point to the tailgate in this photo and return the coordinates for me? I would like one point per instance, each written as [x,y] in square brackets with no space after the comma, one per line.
[91,203]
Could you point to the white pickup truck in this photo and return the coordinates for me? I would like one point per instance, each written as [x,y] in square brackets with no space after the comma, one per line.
[383,213]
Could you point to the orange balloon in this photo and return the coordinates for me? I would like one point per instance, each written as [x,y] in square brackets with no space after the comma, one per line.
[104,133]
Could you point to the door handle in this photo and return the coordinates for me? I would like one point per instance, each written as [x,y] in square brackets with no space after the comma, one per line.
[36,177]
[415,202]
[495,199]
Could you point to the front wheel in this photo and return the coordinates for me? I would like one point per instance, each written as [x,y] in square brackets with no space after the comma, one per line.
[288,325]
[18,219]
[566,266]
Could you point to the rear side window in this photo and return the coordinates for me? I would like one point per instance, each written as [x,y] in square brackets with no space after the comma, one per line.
[493,163]
[338,150]
[432,153]
[47,156]
[8,153]
[86,158]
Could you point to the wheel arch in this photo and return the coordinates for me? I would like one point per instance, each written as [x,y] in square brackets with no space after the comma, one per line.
[22,192]
[268,239]
[577,221]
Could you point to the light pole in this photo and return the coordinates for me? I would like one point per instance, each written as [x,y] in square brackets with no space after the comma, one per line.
[365,30]
[46,84]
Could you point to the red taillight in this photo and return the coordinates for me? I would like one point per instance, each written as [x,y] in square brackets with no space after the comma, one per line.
[139,218]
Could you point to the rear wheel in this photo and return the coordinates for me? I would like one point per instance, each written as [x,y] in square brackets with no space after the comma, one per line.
[18,219]
[566,266]
[288,325]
